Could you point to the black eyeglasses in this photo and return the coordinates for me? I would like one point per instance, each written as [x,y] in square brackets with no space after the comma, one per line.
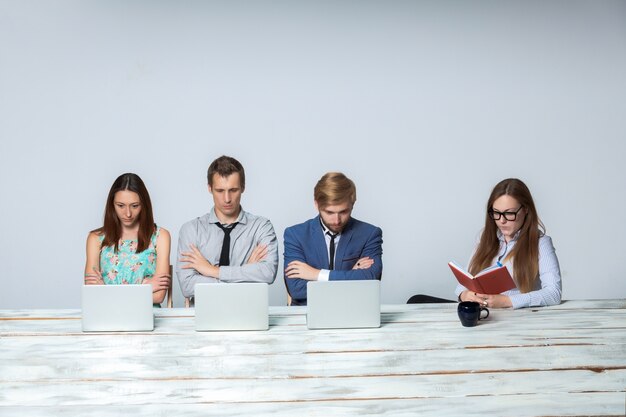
[508,215]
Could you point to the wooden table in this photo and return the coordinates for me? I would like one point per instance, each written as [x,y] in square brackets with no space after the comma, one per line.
[568,360]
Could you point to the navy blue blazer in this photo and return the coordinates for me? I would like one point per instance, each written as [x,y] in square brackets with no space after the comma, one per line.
[305,242]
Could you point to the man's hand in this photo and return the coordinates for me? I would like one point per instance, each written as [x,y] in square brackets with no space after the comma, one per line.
[298,269]
[363,263]
[195,260]
[95,278]
[258,254]
[158,282]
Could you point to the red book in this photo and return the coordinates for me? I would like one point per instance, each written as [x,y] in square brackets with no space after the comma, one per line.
[490,281]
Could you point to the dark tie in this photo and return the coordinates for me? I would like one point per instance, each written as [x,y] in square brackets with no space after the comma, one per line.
[225,256]
[332,250]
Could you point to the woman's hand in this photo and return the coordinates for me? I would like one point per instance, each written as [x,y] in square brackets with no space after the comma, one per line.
[495,300]
[94,278]
[471,296]
[159,282]
[363,263]
[487,300]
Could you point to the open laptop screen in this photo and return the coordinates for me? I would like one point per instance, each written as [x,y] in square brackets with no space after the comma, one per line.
[343,304]
[232,306]
[117,308]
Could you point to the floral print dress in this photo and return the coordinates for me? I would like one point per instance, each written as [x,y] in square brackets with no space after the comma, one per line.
[125,266]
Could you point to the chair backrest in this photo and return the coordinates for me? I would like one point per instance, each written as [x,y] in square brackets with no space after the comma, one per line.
[287,289]
[424,299]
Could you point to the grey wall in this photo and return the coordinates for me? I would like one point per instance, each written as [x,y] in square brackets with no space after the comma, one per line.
[426,105]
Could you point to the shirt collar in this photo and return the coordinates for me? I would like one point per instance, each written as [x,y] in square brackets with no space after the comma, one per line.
[326,230]
[501,236]
[242,218]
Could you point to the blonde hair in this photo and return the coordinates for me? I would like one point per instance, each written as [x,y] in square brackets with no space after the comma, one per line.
[334,188]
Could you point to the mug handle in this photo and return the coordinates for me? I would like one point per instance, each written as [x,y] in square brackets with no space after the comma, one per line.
[481,310]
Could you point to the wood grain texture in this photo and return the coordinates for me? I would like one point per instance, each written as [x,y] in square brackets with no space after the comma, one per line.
[567,360]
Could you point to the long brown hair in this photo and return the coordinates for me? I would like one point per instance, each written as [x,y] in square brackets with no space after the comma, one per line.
[526,249]
[112,228]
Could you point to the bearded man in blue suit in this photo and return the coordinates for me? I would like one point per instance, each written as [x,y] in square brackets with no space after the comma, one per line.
[333,245]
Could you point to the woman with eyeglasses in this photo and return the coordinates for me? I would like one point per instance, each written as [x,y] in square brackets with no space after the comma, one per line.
[129,248]
[515,237]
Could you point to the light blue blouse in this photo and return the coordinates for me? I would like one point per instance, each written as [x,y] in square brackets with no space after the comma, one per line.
[547,289]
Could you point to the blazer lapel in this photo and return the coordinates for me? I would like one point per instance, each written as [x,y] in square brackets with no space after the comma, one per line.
[344,244]
[319,243]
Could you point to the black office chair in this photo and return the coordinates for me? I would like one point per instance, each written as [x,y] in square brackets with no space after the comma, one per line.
[424,299]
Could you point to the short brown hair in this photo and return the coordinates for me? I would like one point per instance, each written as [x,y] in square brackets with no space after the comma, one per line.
[334,188]
[225,166]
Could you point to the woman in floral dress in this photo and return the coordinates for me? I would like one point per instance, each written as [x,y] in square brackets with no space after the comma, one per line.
[129,248]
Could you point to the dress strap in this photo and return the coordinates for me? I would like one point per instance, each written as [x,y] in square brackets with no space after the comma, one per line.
[155,236]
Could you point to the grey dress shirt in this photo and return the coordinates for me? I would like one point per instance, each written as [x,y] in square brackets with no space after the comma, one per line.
[250,231]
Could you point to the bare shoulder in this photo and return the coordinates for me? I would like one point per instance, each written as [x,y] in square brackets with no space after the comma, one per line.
[164,238]
[94,243]
[164,234]
[94,237]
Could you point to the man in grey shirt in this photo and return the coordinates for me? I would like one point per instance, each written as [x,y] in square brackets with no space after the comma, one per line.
[227,244]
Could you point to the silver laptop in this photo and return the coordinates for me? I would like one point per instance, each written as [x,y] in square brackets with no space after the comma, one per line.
[343,304]
[233,306]
[117,308]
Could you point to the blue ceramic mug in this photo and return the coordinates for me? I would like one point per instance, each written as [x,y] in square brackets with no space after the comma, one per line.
[470,313]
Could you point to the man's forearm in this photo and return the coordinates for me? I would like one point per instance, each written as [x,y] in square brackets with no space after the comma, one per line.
[189,281]
[257,272]
[373,272]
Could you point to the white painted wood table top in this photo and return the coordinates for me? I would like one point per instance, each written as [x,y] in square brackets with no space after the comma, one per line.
[567,360]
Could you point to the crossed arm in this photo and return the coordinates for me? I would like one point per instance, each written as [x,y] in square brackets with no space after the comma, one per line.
[193,259]
[302,270]
[298,271]
[259,266]
[161,279]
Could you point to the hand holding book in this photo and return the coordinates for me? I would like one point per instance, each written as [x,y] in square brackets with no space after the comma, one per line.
[490,281]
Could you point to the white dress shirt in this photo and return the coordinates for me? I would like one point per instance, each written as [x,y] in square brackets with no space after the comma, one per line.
[324,274]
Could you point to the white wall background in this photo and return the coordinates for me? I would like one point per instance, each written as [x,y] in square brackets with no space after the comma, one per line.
[425,105]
